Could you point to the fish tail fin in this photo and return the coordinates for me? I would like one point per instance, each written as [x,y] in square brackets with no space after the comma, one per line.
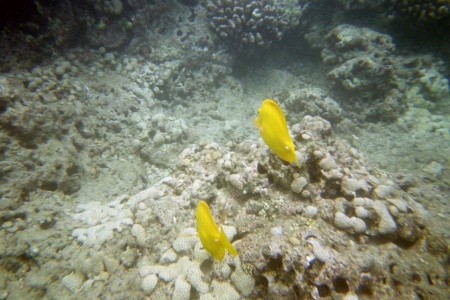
[226,243]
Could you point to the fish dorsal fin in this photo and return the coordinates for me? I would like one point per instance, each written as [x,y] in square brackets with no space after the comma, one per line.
[276,107]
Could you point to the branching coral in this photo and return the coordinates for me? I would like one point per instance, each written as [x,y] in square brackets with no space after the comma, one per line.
[248,23]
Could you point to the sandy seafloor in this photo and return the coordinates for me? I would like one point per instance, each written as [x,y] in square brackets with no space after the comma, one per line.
[105,154]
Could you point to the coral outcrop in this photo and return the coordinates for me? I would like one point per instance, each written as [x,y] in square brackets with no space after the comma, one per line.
[428,10]
[105,155]
[365,69]
[321,239]
[248,24]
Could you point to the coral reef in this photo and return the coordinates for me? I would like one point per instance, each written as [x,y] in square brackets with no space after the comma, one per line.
[102,222]
[107,6]
[427,11]
[37,128]
[314,102]
[364,65]
[45,30]
[366,69]
[287,242]
[417,10]
[105,154]
[347,5]
[113,37]
[248,24]
[45,127]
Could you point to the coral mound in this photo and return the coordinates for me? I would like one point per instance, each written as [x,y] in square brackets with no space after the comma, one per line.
[252,24]
[335,226]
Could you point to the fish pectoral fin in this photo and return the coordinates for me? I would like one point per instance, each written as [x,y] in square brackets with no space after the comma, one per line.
[257,123]
[226,243]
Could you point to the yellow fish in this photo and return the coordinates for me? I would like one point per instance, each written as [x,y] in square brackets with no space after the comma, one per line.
[213,240]
[274,131]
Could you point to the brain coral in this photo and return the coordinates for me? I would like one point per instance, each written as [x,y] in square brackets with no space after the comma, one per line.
[250,24]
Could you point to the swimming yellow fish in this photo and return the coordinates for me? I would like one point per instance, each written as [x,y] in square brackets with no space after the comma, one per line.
[274,131]
[213,240]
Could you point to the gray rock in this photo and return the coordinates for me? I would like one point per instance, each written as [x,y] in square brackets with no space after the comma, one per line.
[298,184]
[311,211]
[342,221]
[387,224]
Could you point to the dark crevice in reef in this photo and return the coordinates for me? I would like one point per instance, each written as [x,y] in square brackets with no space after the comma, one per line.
[340,285]
[313,169]
[324,290]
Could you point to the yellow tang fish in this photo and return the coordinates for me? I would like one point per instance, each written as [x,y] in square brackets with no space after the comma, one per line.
[274,131]
[213,240]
